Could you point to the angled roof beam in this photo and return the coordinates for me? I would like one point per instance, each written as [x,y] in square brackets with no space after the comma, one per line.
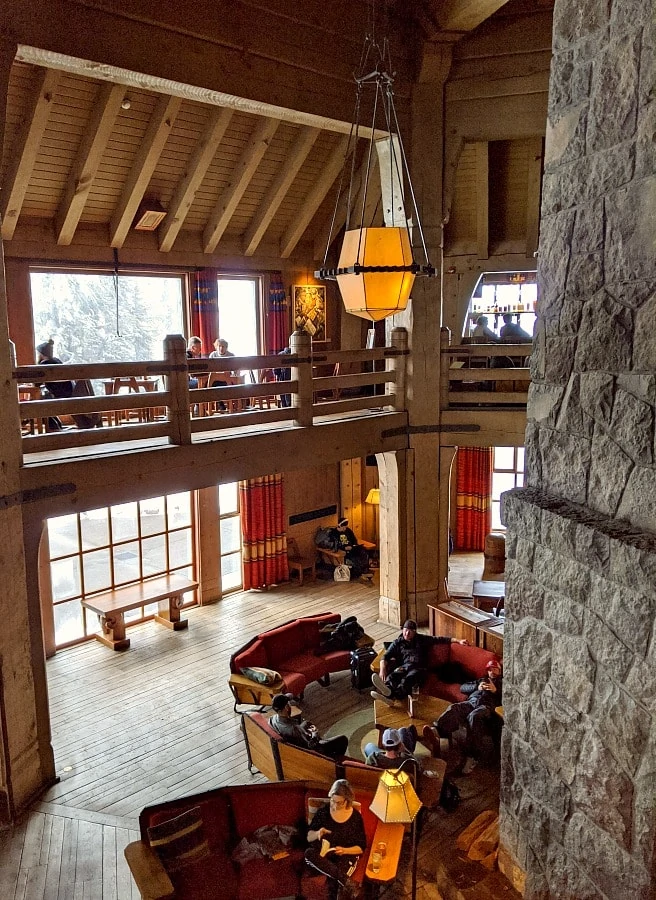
[150,150]
[372,201]
[198,164]
[89,155]
[464,15]
[315,198]
[244,171]
[278,189]
[24,154]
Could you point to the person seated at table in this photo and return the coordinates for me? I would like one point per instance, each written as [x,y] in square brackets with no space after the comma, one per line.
[194,351]
[474,714]
[294,729]
[405,663]
[482,334]
[220,379]
[341,825]
[356,557]
[398,745]
[512,332]
[45,356]
[284,373]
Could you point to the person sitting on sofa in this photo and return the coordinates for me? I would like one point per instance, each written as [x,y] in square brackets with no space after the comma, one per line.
[356,557]
[404,664]
[398,745]
[474,714]
[293,728]
[341,825]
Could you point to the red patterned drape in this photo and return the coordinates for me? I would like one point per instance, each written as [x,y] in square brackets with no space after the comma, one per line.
[264,541]
[205,308]
[473,497]
[277,322]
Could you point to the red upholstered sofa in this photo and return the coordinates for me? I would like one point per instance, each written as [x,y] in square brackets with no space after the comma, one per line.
[230,814]
[452,665]
[290,650]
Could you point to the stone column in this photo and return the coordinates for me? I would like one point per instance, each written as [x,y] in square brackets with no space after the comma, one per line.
[578,813]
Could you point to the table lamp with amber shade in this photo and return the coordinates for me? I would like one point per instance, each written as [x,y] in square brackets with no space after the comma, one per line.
[396,801]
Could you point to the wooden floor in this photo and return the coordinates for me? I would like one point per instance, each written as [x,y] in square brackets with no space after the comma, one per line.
[157,721]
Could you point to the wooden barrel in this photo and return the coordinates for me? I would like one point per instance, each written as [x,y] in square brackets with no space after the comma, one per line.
[494,555]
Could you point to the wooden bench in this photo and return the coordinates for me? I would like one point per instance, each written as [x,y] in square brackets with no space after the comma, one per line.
[166,590]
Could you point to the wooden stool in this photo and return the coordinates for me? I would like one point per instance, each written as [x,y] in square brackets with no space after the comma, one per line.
[298,563]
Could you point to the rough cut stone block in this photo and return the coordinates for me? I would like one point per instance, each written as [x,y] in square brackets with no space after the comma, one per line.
[588,235]
[608,652]
[544,403]
[638,504]
[592,548]
[628,613]
[640,385]
[644,820]
[633,427]
[609,472]
[558,533]
[609,867]
[586,275]
[573,22]
[526,600]
[620,723]
[539,782]
[556,734]
[633,565]
[572,672]
[614,101]
[644,345]
[573,416]
[597,391]
[612,169]
[555,248]
[562,614]
[532,656]
[565,138]
[562,574]
[565,464]
[630,232]
[645,144]
[606,336]
[603,792]
[565,878]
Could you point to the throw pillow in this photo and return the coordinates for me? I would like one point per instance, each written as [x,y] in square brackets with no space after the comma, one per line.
[261,675]
[180,841]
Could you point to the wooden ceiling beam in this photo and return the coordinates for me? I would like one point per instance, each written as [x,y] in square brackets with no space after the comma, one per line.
[27,145]
[315,198]
[147,157]
[244,171]
[463,15]
[199,162]
[278,189]
[89,155]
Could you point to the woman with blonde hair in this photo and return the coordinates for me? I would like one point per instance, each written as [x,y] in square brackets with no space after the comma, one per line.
[337,838]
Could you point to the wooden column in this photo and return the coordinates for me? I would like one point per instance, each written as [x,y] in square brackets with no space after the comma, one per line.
[208,545]
[178,384]
[410,536]
[447,455]
[300,344]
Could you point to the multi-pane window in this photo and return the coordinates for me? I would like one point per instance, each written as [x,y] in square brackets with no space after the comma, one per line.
[230,537]
[104,548]
[507,473]
[239,315]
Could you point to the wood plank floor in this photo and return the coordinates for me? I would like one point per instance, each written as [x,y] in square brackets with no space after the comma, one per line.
[157,721]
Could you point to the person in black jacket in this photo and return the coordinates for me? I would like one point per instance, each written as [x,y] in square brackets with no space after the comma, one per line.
[475,714]
[356,557]
[405,663]
[45,356]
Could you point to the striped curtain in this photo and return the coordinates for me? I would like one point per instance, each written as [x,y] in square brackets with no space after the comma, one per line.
[277,320]
[205,308]
[264,540]
[473,497]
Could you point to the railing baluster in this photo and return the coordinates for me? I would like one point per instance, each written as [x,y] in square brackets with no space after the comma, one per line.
[178,413]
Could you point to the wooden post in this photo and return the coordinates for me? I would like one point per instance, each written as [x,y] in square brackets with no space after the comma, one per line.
[399,340]
[178,413]
[445,365]
[300,343]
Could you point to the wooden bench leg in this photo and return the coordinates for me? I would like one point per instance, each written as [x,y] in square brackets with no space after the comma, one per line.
[113,631]
[169,613]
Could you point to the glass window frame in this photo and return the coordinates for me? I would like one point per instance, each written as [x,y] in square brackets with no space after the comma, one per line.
[517,471]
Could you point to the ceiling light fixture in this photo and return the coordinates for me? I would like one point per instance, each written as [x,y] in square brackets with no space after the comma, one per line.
[149,215]
[377,266]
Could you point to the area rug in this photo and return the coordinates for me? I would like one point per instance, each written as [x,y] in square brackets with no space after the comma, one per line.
[360,729]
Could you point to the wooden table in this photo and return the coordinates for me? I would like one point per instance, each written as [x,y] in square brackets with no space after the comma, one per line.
[487,594]
[427,710]
[392,835]
[134,385]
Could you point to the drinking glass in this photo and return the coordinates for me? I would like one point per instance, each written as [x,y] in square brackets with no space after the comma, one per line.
[376,861]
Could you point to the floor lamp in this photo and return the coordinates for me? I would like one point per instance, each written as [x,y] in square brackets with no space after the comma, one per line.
[373,498]
[396,801]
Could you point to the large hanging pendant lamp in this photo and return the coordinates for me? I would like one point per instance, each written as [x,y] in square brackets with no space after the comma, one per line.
[377,266]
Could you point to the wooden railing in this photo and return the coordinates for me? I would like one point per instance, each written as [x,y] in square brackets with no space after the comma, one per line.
[178,411]
[484,374]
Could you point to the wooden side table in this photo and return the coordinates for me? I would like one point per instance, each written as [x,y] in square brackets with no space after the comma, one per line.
[392,836]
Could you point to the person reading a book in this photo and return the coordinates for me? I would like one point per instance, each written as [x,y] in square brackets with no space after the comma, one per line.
[336,839]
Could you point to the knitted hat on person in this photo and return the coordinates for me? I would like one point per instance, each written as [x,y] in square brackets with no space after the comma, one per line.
[280,701]
[47,348]
[410,624]
[493,664]
[391,738]
[342,523]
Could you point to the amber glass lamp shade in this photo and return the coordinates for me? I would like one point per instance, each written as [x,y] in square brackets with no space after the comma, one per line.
[374,294]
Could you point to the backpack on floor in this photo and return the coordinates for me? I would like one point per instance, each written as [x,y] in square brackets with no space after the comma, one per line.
[450,795]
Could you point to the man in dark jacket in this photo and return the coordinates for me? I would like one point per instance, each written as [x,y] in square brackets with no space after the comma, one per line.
[355,556]
[294,729]
[475,714]
[405,663]
[45,356]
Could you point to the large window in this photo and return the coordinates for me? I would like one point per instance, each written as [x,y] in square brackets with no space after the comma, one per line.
[239,315]
[230,538]
[103,318]
[507,473]
[104,548]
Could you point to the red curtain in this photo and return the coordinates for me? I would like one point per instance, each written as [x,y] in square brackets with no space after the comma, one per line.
[264,541]
[473,497]
[277,322]
[205,308]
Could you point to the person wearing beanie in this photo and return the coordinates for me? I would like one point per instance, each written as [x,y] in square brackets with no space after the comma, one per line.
[45,356]
[294,729]
[405,663]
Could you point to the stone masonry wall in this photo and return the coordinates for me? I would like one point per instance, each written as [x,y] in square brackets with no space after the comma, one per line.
[578,804]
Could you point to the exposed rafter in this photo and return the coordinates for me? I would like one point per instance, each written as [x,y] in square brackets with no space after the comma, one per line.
[25,151]
[278,188]
[315,198]
[93,143]
[371,202]
[463,15]
[244,171]
[143,167]
[203,154]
